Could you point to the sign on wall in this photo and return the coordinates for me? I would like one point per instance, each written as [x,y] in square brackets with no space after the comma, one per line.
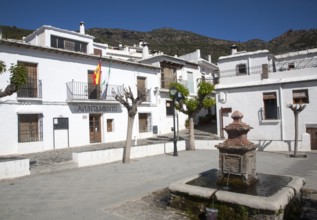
[95,108]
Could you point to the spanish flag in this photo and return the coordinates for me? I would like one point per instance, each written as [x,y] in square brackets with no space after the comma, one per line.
[97,74]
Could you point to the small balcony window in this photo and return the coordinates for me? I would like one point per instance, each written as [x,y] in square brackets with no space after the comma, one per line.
[300,96]
[270,106]
[241,69]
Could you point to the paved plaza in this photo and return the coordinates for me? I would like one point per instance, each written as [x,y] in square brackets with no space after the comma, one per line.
[100,192]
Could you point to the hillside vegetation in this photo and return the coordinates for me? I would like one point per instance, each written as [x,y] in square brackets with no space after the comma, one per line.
[178,42]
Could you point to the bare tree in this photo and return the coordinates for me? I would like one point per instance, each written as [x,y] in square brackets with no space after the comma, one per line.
[131,103]
[18,77]
[296,109]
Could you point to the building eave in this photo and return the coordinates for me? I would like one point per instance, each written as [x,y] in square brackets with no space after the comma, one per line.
[267,82]
[73,53]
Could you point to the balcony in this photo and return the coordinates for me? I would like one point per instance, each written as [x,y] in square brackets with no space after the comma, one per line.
[83,91]
[31,90]
[254,70]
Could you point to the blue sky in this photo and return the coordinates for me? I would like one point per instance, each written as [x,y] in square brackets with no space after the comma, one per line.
[237,20]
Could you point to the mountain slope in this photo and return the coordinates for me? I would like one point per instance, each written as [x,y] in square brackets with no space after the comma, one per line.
[179,42]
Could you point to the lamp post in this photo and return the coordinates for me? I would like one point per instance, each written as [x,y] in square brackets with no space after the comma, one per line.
[173,93]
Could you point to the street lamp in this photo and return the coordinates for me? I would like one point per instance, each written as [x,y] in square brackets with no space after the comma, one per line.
[173,94]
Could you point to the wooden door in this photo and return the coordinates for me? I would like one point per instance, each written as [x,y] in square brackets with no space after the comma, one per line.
[313,137]
[95,128]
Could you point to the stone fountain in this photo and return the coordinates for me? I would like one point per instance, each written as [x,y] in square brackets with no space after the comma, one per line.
[237,155]
[236,190]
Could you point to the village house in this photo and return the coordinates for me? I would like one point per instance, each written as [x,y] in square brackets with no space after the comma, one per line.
[261,85]
[60,106]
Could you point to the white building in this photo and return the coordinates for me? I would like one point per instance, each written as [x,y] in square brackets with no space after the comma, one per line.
[60,107]
[261,85]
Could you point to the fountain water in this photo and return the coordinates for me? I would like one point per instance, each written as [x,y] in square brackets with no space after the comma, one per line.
[236,185]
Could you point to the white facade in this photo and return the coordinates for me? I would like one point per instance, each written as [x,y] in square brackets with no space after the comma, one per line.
[61,63]
[262,93]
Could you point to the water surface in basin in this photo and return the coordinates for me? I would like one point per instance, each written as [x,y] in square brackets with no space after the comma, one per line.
[267,184]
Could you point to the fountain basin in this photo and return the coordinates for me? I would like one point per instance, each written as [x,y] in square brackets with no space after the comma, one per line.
[276,203]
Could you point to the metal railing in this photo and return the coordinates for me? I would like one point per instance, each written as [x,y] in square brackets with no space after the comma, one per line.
[250,71]
[32,89]
[87,91]
[147,93]
[298,64]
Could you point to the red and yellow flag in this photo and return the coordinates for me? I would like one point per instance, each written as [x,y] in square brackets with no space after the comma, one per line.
[97,74]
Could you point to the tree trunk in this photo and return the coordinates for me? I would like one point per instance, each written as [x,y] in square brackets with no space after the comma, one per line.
[191,145]
[296,133]
[128,143]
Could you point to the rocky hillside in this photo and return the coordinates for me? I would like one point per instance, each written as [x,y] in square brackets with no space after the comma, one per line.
[171,41]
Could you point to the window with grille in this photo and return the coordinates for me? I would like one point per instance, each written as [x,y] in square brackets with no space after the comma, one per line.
[241,69]
[30,88]
[300,96]
[270,106]
[30,127]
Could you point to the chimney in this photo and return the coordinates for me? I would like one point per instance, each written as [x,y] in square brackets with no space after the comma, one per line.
[140,43]
[82,28]
[145,50]
[233,49]
[198,53]
[209,58]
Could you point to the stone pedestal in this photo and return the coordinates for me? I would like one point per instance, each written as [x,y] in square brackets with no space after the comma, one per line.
[237,157]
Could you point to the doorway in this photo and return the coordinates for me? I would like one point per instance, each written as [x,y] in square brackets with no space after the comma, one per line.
[95,128]
[313,137]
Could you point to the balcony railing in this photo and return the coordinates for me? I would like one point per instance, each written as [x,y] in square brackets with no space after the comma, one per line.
[249,71]
[147,93]
[32,89]
[80,91]
[303,63]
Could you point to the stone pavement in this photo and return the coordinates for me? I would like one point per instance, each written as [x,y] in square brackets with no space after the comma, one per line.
[58,190]
[119,191]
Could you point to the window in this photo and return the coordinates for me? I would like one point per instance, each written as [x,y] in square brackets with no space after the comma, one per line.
[141,81]
[97,52]
[144,122]
[30,127]
[30,89]
[270,106]
[300,96]
[169,108]
[168,75]
[241,69]
[68,44]
[291,65]
[109,125]
[190,80]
